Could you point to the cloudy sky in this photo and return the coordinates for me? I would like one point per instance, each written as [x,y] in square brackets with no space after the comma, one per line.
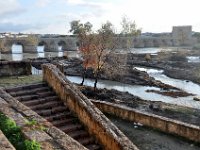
[54,16]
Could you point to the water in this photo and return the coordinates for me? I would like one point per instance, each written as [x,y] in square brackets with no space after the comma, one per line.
[145,50]
[152,51]
[193,59]
[139,90]
[36,71]
[18,55]
[187,86]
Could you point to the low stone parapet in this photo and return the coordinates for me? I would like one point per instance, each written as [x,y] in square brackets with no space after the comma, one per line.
[94,120]
[14,68]
[188,131]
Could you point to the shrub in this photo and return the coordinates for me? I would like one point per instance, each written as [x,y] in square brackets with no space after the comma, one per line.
[31,145]
[14,135]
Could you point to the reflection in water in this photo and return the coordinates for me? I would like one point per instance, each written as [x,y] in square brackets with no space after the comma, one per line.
[17,57]
[139,91]
[189,87]
[17,53]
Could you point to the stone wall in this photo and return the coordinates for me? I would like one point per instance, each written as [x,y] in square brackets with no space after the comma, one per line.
[14,68]
[188,131]
[94,120]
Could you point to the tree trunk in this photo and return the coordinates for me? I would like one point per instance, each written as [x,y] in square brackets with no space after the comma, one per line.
[83,79]
[96,80]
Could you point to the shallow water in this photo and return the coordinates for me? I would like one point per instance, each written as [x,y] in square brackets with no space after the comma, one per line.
[187,86]
[138,90]
[193,59]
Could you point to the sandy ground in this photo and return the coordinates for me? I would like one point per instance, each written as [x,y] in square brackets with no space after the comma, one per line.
[149,139]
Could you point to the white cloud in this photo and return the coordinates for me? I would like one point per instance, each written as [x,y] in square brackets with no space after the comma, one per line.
[151,16]
[9,7]
[42,3]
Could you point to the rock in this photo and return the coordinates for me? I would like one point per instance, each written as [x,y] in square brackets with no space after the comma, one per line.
[155,107]
[196,98]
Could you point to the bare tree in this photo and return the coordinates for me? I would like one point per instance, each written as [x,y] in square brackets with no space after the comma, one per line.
[85,37]
[104,43]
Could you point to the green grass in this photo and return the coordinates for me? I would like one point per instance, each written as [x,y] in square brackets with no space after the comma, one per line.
[14,135]
[21,80]
[35,125]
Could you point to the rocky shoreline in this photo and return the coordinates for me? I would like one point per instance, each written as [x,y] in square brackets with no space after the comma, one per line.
[132,76]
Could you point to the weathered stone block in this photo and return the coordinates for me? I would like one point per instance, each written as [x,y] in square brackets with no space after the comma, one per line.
[142,118]
[37,135]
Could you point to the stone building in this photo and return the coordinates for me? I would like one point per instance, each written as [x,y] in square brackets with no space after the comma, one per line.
[183,34]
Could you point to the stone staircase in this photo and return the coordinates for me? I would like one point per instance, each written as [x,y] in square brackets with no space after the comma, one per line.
[44,101]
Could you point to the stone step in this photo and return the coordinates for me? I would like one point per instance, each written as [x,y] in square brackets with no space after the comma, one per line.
[86,140]
[45,94]
[37,101]
[43,113]
[51,98]
[63,122]
[93,147]
[27,97]
[59,109]
[78,134]
[41,100]
[48,105]
[48,112]
[58,116]
[30,91]
[71,127]
[25,87]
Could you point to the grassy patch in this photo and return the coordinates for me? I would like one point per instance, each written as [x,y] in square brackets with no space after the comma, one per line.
[14,135]
[21,80]
[34,125]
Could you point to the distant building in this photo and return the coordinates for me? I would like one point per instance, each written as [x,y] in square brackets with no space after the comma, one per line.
[183,34]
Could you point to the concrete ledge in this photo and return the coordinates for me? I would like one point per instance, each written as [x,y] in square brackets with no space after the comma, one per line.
[96,122]
[188,131]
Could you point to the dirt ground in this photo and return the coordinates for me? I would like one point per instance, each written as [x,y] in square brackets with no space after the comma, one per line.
[150,139]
